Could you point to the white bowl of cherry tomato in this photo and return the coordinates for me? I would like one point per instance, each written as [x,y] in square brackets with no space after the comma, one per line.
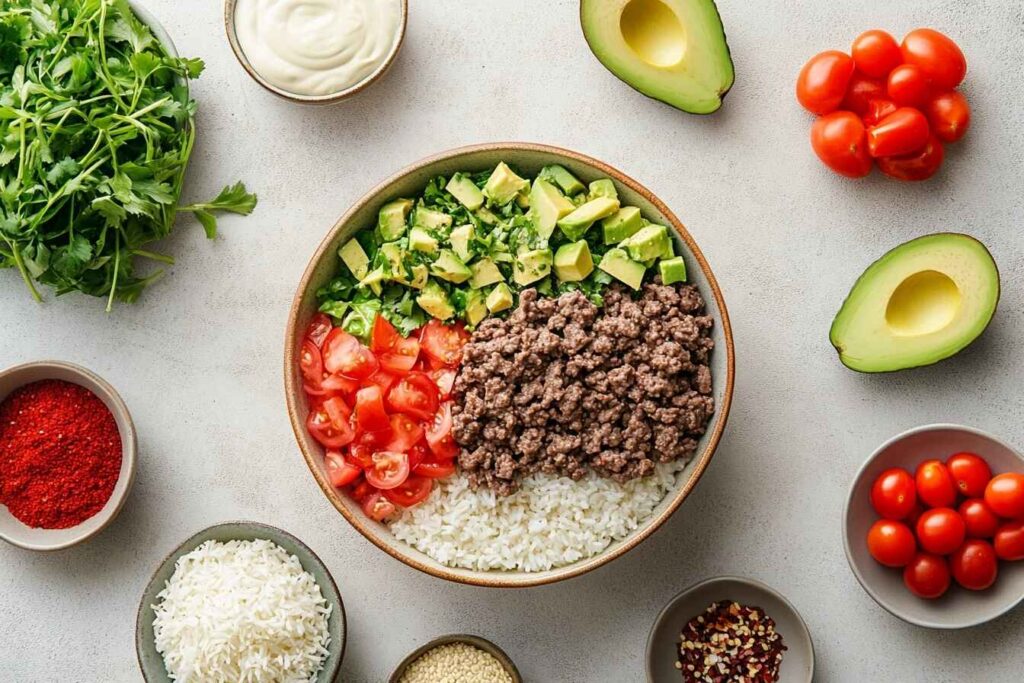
[934,526]
[886,103]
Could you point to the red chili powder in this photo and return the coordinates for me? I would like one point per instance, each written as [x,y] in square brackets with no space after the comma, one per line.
[60,454]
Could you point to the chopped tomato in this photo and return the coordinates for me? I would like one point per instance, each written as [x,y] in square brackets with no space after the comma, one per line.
[339,412]
[417,454]
[415,395]
[434,468]
[439,434]
[339,384]
[361,455]
[318,329]
[361,490]
[384,335]
[445,381]
[314,390]
[413,490]
[344,354]
[383,380]
[370,414]
[404,433]
[311,364]
[324,430]
[389,469]
[340,471]
[443,343]
[397,363]
[377,507]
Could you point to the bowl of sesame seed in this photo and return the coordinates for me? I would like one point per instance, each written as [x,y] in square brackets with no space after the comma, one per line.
[457,658]
[729,629]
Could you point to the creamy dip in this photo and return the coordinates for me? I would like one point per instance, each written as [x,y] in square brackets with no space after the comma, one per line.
[317,47]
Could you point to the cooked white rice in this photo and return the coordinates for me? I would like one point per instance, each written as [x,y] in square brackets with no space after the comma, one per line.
[550,522]
[242,611]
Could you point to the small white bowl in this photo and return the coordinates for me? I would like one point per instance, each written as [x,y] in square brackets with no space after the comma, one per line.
[958,608]
[11,529]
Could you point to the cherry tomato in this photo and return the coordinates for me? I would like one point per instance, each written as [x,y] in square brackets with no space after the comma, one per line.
[434,468]
[382,379]
[318,329]
[389,470]
[324,430]
[876,53]
[893,494]
[311,364]
[361,455]
[970,474]
[941,531]
[939,57]
[935,485]
[445,381]
[415,395]
[920,165]
[861,91]
[902,132]
[339,412]
[413,490]
[396,354]
[1005,495]
[404,433]
[360,490]
[980,520]
[339,385]
[1009,541]
[439,434]
[908,86]
[949,115]
[383,336]
[822,82]
[891,543]
[974,565]
[839,141]
[370,413]
[340,472]
[377,507]
[877,110]
[443,343]
[927,576]
[344,354]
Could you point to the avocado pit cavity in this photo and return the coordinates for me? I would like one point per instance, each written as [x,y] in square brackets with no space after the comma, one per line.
[924,303]
[653,31]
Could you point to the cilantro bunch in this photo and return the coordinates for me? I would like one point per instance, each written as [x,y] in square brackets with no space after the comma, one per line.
[96,130]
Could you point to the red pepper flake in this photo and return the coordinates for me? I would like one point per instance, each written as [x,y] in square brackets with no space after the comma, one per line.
[60,454]
[730,643]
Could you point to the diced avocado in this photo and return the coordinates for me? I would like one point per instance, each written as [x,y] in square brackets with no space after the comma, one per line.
[617,263]
[393,256]
[573,262]
[576,224]
[353,256]
[500,298]
[602,188]
[463,189]
[485,272]
[670,251]
[392,217]
[531,266]
[650,242]
[565,180]
[503,185]
[672,50]
[486,215]
[622,225]
[420,272]
[434,301]
[450,267]
[547,205]
[460,239]
[672,270]
[923,301]
[476,306]
[431,219]
[503,257]
[421,240]
[373,280]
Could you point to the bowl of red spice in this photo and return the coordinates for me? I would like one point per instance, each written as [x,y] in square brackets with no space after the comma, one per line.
[67,455]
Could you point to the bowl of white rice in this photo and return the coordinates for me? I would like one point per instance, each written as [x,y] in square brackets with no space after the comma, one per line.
[241,601]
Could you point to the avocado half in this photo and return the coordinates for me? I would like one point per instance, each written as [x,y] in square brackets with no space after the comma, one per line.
[672,50]
[923,301]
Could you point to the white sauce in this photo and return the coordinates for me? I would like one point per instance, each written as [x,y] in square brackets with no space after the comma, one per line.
[317,47]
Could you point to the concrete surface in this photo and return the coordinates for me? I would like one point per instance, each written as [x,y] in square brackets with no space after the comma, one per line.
[198,359]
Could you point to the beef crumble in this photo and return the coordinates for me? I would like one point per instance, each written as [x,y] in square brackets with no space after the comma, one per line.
[562,386]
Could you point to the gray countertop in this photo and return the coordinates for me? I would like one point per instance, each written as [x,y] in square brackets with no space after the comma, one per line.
[198,358]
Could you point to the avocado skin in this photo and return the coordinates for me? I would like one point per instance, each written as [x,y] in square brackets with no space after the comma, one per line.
[925,363]
[728,55]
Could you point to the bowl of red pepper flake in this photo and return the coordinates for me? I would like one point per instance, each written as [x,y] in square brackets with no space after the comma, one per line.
[729,630]
[67,455]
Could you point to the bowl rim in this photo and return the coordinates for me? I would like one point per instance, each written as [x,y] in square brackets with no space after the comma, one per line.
[580,567]
[476,641]
[129,449]
[846,521]
[329,98]
[727,578]
[258,527]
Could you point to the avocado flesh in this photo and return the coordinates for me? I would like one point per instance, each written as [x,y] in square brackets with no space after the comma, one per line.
[923,301]
[672,50]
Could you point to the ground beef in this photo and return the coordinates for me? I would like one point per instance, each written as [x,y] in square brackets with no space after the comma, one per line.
[562,386]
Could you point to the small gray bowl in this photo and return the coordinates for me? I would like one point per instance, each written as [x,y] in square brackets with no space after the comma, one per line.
[476,641]
[958,608]
[663,642]
[151,662]
[13,530]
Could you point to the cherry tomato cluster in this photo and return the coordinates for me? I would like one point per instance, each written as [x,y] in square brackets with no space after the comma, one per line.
[948,519]
[886,102]
[383,411]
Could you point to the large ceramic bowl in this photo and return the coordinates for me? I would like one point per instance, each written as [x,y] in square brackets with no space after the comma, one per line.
[528,159]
